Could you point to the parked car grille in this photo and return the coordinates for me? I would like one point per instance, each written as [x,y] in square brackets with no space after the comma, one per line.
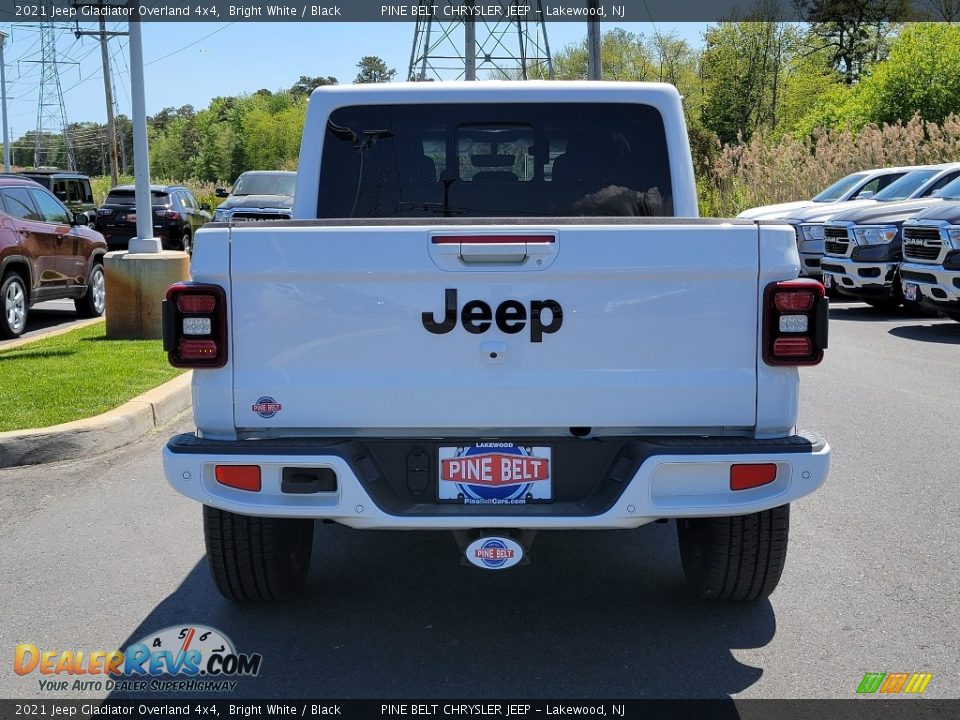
[932,244]
[836,240]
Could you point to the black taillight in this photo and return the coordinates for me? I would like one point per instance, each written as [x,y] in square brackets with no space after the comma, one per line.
[195,325]
[795,321]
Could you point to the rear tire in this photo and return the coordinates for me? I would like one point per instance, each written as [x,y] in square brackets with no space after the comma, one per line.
[94,301]
[14,306]
[186,243]
[256,558]
[734,558]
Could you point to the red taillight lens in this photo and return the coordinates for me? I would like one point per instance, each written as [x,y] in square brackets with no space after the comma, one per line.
[795,320]
[197,349]
[241,477]
[789,302]
[196,303]
[788,347]
[167,214]
[195,325]
[744,477]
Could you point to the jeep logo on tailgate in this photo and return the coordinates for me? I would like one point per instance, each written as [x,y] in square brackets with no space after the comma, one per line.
[511,317]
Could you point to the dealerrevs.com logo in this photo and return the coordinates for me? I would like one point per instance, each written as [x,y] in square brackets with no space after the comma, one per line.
[894,683]
[192,658]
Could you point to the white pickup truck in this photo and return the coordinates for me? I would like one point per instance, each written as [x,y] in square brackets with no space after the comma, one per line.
[495,312]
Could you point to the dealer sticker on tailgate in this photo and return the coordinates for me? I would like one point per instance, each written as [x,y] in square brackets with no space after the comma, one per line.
[495,473]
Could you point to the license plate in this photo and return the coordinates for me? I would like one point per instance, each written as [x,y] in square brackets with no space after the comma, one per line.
[827,280]
[910,291]
[495,473]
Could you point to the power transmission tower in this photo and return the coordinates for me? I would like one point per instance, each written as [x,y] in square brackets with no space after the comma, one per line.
[51,113]
[452,44]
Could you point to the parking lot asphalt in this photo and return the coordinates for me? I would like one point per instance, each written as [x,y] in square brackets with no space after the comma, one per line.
[98,554]
[46,316]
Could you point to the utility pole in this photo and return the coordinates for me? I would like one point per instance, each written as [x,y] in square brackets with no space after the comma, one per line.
[137,279]
[108,91]
[594,44]
[470,45]
[3,101]
[107,86]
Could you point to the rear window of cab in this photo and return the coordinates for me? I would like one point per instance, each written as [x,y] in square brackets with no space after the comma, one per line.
[495,159]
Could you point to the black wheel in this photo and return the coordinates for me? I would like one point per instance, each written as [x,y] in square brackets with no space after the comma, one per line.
[186,243]
[14,306]
[734,558]
[255,558]
[95,299]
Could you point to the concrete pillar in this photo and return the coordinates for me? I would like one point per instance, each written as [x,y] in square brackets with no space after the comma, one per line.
[136,285]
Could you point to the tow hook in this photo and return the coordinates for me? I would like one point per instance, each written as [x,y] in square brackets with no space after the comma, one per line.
[494,550]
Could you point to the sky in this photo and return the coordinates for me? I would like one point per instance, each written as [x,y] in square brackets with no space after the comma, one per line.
[191,63]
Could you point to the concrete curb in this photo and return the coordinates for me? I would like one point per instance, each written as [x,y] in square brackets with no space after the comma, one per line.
[87,438]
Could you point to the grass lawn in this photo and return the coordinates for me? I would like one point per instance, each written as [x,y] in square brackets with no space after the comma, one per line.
[76,375]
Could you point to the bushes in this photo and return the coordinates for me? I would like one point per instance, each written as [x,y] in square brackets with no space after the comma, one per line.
[759,172]
[202,191]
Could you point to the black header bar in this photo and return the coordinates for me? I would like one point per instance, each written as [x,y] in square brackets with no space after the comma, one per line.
[201,707]
[488,11]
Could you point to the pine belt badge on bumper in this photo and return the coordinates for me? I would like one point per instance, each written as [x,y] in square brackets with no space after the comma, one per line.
[495,473]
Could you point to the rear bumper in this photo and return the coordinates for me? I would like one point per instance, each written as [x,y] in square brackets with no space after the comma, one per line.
[119,237]
[666,477]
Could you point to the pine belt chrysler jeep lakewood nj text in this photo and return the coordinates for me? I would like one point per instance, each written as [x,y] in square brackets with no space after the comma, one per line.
[495,312]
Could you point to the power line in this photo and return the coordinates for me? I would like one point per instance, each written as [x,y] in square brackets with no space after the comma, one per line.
[187,47]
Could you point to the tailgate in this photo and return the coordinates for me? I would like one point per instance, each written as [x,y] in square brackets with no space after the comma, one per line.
[329,327]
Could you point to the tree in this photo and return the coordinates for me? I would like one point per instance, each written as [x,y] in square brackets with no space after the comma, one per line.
[921,76]
[373,70]
[856,33]
[306,85]
[743,68]
[623,56]
[90,147]
[939,10]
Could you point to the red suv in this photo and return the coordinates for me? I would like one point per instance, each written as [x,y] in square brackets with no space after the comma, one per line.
[46,253]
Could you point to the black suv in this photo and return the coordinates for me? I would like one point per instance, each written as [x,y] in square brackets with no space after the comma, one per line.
[176,216]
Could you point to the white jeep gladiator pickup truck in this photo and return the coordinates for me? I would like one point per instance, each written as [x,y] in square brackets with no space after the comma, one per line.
[495,312]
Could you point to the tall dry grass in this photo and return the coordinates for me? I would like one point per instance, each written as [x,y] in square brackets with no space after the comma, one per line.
[203,191]
[760,172]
